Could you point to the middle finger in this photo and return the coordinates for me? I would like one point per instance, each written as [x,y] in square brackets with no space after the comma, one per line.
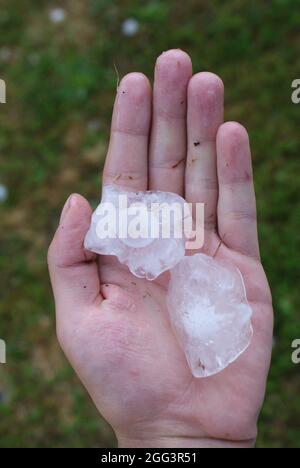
[168,135]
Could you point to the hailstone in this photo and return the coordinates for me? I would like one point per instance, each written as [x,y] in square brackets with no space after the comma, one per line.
[209,313]
[144,230]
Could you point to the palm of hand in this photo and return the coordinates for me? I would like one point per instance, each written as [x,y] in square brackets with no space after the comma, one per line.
[120,340]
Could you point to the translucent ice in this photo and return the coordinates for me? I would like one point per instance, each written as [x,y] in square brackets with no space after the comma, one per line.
[124,225]
[209,312]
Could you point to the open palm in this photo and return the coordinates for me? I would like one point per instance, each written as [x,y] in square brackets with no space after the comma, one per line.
[113,327]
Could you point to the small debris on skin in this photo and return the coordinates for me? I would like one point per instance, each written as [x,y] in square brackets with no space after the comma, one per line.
[177,164]
[117,178]
[196,143]
[201,365]
[146,295]
[219,245]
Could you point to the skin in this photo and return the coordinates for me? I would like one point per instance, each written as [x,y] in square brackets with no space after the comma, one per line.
[113,327]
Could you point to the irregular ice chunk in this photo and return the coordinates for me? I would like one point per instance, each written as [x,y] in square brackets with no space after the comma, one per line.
[124,225]
[209,312]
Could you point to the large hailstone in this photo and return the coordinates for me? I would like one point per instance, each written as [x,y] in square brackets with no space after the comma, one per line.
[153,251]
[209,312]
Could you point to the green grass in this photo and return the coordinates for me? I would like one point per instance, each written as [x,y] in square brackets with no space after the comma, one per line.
[53,131]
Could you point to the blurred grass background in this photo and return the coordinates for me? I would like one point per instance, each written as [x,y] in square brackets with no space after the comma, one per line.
[61,83]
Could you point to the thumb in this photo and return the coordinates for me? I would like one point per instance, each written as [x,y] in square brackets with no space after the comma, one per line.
[73,270]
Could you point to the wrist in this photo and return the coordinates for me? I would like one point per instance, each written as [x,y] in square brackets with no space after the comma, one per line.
[182,442]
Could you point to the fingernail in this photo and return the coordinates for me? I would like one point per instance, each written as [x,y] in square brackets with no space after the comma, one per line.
[69,203]
[72,200]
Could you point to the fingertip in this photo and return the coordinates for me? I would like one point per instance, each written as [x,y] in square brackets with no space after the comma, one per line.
[72,201]
[132,109]
[173,61]
[65,209]
[67,245]
[237,205]
[77,200]
[233,132]
[173,71]
[205,105]
[76,210]
[206,80]
[206,93]
[234,154]
[134,85]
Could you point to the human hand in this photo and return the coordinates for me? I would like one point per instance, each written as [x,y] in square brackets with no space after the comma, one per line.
[113,327]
